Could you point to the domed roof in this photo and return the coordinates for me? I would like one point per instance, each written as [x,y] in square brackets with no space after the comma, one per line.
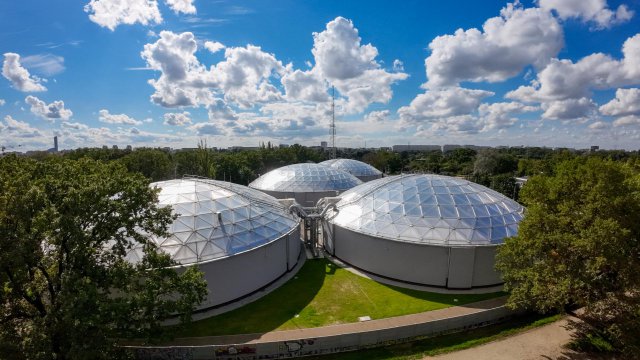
[353,167]
[307,177]
[217,219]
[430,209]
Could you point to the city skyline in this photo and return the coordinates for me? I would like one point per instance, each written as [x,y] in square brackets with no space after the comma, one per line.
[170,73]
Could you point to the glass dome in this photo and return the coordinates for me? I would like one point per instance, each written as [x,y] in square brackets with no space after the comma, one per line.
[217,219]
[430,209]
[353,167]
[306,177]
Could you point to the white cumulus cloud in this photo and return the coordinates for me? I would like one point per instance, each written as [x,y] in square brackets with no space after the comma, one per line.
[626,102]
[182,6]
[177,119]
[568,109]
[629,121]
[564,79]
[213,46]
[341,60]
[338,53]
[499,115]
[443,103]
[111,13]
[203,129]
[19,128]
[119,119]
[595,11]
[305,86]
[19,76]
[505,46]
[50,112]
[377,117]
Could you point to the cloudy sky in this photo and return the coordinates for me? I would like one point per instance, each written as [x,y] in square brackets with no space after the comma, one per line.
[172,72]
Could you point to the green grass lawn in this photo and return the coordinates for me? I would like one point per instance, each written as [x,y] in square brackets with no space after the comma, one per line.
[324,294]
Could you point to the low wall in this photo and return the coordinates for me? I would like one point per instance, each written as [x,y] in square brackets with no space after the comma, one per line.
[297,347]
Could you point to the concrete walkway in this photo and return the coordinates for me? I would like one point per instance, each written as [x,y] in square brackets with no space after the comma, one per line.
[342,329]
[545,342]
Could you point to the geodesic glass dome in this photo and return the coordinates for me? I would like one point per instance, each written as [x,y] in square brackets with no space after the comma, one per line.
[217,219]
[307,177]
[353,167]
[429,209]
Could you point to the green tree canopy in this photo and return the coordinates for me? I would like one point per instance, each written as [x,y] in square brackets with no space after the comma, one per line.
[67,290]
[578,244]
[155,164]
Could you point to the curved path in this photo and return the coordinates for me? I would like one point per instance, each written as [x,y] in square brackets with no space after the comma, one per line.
[543,343]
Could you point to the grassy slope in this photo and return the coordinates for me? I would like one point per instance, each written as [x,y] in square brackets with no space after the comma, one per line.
[322,294]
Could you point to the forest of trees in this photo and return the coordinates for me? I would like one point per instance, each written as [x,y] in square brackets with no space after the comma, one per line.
[494,168]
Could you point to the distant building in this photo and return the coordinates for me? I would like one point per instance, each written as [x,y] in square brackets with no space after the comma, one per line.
[323,144]
[129,147]
[595,148]
[54,149]
[401,148]
[242,148]
[115,147]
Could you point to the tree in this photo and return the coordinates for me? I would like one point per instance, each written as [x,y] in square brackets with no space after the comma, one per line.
[493,162]
[578,245]
[67,290]
[155,164]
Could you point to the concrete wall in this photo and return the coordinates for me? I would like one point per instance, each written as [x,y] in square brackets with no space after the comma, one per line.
[451,267]
[297,347]
[231,278]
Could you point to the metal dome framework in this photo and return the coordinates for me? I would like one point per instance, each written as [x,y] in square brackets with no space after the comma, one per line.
[306,177]
[217,219]
[430,209]
[423,229]
[359,169]
[240,238]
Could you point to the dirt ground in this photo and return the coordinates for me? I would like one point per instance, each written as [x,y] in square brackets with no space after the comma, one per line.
[546,342]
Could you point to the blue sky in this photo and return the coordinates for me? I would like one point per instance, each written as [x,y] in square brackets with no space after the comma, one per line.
[172,72]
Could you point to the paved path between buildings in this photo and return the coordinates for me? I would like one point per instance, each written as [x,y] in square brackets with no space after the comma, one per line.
[310,333]
[546,342]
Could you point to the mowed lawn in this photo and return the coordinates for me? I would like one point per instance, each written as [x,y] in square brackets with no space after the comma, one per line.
[324,294]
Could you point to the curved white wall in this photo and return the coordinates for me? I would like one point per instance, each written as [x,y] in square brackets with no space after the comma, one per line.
[444,266]
[233,277]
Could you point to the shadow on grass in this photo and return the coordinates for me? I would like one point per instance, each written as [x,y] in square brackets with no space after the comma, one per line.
[269,312]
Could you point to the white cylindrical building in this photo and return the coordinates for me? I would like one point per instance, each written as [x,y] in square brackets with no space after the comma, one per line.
[359,169]
[242,239]
[306,183]
[423,229]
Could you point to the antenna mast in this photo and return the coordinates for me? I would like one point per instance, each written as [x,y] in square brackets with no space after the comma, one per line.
[333,122]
